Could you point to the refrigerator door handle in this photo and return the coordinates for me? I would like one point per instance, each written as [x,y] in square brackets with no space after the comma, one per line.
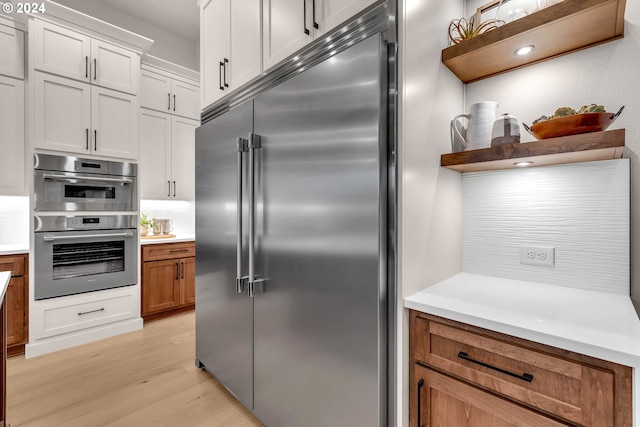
[254,144]
[241,281]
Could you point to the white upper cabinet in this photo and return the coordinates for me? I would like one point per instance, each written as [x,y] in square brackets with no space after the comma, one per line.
[289,25]
[12,147]
[74,55]
[62,114]
[167,163]
[155,159]
[214,47]
[114,123]
[185,99]
[76,117]
[170,93]
[332,13]
[183,158]
[287,28]
[61,51]
[12,165]
[245,53]
[114,67]
[230,46]
[11,52]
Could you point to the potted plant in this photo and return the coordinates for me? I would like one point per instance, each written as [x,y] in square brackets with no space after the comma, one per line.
[146,224]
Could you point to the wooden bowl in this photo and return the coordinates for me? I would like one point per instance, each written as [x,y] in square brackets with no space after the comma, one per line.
[572,125]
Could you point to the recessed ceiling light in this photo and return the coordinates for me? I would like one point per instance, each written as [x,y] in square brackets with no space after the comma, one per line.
[524,50]
[522,164]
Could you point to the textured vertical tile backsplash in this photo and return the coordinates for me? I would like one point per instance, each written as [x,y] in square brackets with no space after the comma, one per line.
[14,220]
[582,210]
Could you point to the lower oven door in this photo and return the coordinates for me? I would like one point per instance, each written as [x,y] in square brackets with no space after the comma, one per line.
[74,262]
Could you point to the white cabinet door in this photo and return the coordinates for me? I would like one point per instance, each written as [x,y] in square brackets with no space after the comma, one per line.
[155,155]
[245,59]
[183,136]
[114,119]
[67,53]
[155,91]
[11,52]
[287,27]
[331,13]
[12,136]
[185,99]
[114,67]
[62,114]
[214,48]
[61,51]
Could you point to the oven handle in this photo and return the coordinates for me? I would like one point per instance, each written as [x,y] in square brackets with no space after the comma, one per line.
[86,178]
[85,236]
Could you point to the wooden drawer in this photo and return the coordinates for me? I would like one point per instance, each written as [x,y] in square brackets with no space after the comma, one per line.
[571,389]
[14,263]
[155,252]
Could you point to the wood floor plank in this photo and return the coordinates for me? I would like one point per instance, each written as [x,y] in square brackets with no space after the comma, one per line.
[143,378]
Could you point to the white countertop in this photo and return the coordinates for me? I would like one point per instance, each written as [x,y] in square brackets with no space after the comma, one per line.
[178,238]
[597,324]
[14,249]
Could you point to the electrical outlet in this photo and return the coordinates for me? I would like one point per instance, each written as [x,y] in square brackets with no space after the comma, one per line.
[538,255]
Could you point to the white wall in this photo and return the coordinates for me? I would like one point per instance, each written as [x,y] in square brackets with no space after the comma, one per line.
[606,74]
[166,45]
[430,197]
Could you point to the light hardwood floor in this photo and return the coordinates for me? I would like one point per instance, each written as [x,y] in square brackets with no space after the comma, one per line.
[143,378]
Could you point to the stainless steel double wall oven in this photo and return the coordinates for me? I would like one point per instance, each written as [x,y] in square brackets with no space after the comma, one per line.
[86,236]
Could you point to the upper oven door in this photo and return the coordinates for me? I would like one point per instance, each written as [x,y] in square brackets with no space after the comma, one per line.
[71,191]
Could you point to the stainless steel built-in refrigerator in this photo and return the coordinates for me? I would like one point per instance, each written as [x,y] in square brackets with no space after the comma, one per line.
[291,245]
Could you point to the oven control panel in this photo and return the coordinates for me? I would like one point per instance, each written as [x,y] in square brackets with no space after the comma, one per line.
[90,222]
[84,222]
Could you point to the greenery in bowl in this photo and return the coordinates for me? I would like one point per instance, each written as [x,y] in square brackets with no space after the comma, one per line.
[145,221]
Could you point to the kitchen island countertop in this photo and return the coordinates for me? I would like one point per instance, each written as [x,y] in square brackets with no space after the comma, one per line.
[596,324]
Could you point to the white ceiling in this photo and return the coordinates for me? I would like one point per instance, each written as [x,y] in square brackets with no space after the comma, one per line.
[180,17]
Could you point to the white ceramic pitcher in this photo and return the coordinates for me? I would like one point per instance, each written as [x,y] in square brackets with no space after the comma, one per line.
[477,134]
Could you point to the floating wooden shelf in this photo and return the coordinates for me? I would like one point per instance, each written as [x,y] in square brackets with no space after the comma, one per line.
[586,147]
[556,30]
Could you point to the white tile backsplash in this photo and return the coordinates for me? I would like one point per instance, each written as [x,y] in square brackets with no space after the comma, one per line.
[583,210]
[183,213]
[14,220]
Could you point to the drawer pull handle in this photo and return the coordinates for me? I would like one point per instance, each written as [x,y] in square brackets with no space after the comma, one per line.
[89,312]
[420,385]
[179,251]
[525,377]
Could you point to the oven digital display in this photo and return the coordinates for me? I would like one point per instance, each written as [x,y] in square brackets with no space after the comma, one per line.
[91,165]
[91,220]
[89,192]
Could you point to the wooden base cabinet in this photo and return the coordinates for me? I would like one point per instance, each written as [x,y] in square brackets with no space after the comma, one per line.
[462,375]
[168,279]
[17,302]
[445,401]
